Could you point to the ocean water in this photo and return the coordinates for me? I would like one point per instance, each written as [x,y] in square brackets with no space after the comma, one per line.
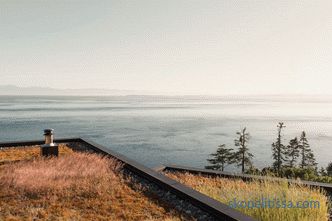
[171,130]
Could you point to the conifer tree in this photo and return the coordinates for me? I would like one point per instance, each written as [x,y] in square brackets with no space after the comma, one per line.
[292,152]
[278,150]
[307,156]
[243,157]
[322,172]
[221,158]
[329,169]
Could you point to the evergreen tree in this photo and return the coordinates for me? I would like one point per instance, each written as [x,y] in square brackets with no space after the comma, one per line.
[243,157]
[322,172]
[329,169]
[307,156]
[221,158]
[278,150]
[292,152]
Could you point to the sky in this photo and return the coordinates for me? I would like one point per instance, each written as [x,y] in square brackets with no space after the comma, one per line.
[212,47]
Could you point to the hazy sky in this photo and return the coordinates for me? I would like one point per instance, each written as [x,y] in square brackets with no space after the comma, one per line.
[182,46]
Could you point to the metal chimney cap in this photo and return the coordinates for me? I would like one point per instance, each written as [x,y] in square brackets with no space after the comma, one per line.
[48,131]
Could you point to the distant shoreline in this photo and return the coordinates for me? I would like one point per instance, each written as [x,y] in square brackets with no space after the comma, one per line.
[12,90]
[203,98]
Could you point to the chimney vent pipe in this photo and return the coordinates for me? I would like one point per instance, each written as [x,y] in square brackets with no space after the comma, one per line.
[49,149]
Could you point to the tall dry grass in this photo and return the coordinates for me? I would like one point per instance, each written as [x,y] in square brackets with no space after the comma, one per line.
[83,173]
[78,186]
[225,190]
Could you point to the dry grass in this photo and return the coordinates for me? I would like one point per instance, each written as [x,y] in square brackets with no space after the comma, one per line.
[225,190]
[78,186]
[27,153]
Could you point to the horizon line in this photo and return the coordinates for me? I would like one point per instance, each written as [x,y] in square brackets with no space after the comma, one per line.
[149,93]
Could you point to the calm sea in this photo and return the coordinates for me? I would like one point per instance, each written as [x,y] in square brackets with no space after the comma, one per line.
[171,130]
